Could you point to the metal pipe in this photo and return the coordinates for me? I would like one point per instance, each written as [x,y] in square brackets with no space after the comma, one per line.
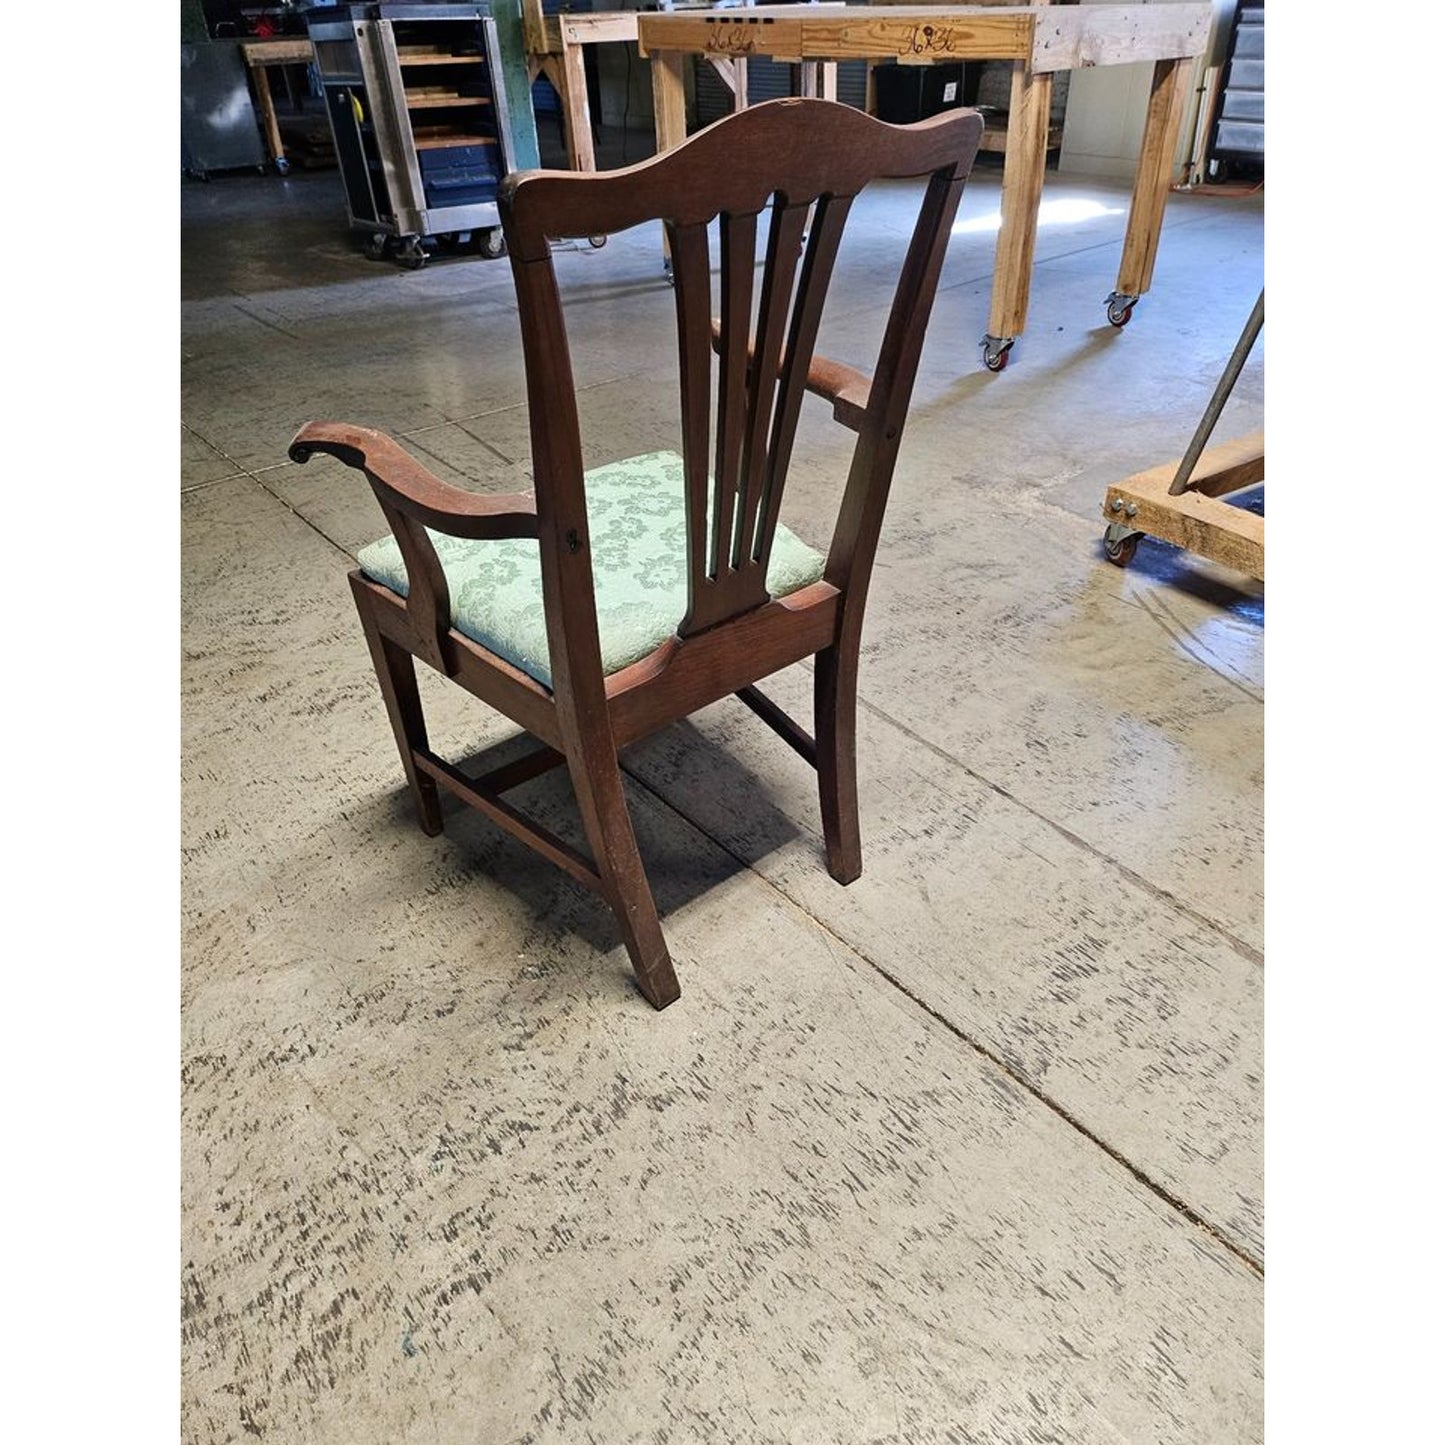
[1242,348]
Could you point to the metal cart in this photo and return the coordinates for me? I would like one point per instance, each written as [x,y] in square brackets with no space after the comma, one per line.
[418,110]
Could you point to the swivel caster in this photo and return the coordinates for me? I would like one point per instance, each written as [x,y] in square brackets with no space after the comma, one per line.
[412,254]
[283,166]
[1120,544]
[492,243]
[374,246]
[996,351]
[1120,308]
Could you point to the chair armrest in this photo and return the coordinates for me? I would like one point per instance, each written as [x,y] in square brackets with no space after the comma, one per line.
[845,386]
[401,481]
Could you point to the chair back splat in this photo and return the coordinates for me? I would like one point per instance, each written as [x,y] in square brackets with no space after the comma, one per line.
[756,598]
[804,161]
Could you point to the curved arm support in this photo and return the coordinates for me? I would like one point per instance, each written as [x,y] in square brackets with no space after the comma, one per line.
[413,500]
[401,482]
[835,381]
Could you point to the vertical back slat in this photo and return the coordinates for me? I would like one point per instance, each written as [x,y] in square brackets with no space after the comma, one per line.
[739,245]
[785,239]
[692,288]
[830,215]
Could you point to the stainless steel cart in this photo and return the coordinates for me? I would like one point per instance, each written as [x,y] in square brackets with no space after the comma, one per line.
[418,110]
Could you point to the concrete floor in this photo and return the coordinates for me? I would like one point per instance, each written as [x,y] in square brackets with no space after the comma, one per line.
[967,1152]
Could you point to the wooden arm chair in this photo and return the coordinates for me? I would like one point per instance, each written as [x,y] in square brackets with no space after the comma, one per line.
[618,600]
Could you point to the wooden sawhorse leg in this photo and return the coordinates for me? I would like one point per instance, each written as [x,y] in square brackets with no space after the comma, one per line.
[581,154]
[733,72]
[669,99]
[1167,94]
[739,82]
[569,80]
[669,108]
[1026,150]
[262,82]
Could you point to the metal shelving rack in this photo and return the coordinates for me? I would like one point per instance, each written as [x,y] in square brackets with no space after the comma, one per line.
[1237,138]
[418,109]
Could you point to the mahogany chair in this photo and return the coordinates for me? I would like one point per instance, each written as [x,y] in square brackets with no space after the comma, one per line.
[616,601]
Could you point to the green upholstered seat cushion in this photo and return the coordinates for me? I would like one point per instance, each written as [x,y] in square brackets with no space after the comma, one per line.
[637,522]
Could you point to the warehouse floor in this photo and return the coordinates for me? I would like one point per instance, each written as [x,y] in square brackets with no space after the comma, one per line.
[969,1151]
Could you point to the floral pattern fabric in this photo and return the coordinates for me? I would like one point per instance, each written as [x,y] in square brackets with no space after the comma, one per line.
[636,515]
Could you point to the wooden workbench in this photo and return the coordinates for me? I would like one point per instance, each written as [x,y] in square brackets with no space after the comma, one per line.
[259,55]
[1039,41]
[555,49]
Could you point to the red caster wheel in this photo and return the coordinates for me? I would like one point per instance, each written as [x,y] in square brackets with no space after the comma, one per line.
[996,351]
[1121,551]
[1120,309]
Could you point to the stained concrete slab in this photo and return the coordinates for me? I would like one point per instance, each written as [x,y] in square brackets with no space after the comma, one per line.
[446,1177]
[1080,979]
[968,1151]
[1092,701]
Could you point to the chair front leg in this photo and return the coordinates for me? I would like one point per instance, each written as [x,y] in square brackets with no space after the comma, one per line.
[396,673]
[835,710]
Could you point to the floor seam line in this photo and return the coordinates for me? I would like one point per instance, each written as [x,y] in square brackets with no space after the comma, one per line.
[301,516]
[1246,950]
[1177,1204]
[262,321]
[190,487]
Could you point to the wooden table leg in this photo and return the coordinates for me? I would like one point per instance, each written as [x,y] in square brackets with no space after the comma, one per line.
[268,113]
[669,99]
[580,154]
[1023,184]
[669,108]
[1167,95]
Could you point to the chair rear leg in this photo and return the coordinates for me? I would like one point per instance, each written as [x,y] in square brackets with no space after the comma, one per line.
[396,673]
[835,708]
[614,847]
